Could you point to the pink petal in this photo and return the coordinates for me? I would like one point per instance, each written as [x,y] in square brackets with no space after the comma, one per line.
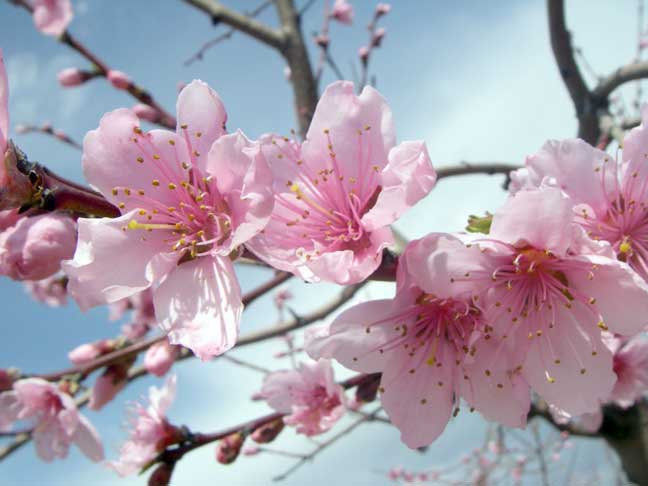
[4,107]
[277,389]
[111,264]
[244,178]
[160,399]
[199,304]
[52,17]
[201,111]
[9,409]
[550,210]
[406,179]
[635,143]
[50,441]
[87,439]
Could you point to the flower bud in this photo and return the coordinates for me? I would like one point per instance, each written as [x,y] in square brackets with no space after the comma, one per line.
[119,79]
[161,476]
[84,353]
[146,112]
[268,432]
[382,9]
[322,41]
[160,357]
[363,54]
[7,378]
[378,36]
[34,248]
[70,77]
[109,384]
[342,12]
[229,448]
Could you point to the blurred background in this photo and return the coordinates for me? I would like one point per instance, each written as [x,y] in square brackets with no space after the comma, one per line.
[476,80]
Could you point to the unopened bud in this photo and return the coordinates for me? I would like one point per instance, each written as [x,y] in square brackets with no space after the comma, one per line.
[342,12]
[382,9]
[378,36]
[268,432]
[160,357]
[70,77]
[111,382]
[146,112]
[161,476]
[119,79]
[322,41]
[229,448]
[363,54]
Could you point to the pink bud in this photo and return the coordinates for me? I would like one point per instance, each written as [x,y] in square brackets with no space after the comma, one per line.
[146,112]
[34,248]
[84,353]
[395,473]
[108,385]
[378,36]
[160,357]
[229,448]
[382,9]
[342,12]
[363,53]
[60,135]
[70,77]
[119,79]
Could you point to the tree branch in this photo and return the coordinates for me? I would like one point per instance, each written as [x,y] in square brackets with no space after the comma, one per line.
[624,74]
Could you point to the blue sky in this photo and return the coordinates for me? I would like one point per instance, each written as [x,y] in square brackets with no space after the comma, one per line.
[475,80]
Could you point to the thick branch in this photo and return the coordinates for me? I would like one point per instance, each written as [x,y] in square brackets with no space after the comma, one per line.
[630,72]
[243,23]
[466,168]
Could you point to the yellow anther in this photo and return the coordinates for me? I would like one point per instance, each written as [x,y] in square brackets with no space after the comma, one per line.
[625,246]
[602,325]
[156,157]
[155,182]
[140,160]
[172,186]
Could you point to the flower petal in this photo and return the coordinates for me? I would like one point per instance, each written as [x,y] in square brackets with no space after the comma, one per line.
[87,439]
[199,305]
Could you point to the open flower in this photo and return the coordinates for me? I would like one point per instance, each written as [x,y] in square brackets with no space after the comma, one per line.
[431,344]
[310,397]
[189,200]
[51,17]
[57,422]
[151,433]
[548,291]
[338,192]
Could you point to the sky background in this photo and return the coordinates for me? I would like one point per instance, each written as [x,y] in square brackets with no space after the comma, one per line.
[476,80]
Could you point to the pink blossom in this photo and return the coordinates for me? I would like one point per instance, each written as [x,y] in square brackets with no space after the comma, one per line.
[52,17]
[310,397]
[57,422]
[431,344]
[548,291]
[150,431]
[338,191]
[88,351]
[631,368]
[4,108]
[119,79]
[50,291]
[34,248]
[383,9]
[146,112]
[160,357]
[189,200]
[108,385]
[342,12]
[70,77]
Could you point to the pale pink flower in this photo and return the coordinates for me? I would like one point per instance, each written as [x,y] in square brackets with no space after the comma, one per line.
[52,17]
[57,422]
[609,198]
[309,396]
[342,12]
[50,291]
[108,385]
[338,191]
[4,108]
[631,368]
[431,344]
[548,291]
[150,431]
[70,77]
[189,200]
[146,112]
[119,79]
[160,357]
[34,248]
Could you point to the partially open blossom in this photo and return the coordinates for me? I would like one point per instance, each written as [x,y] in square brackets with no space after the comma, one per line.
[34,248]
[548,291]
[631,368]
[160,357]
[57,422]
[51,17]
[342,12]
[70,77]
[146,112]
[119,79]
[310,397]
[189,200]
[431,344]
[109,384]
[338,191]
[50,291]
[150,432]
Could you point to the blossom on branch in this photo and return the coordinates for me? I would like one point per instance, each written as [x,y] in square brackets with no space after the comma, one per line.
[337,192]
[310,397]
[51,17]
[342,12]
[189,200]
[57,422]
